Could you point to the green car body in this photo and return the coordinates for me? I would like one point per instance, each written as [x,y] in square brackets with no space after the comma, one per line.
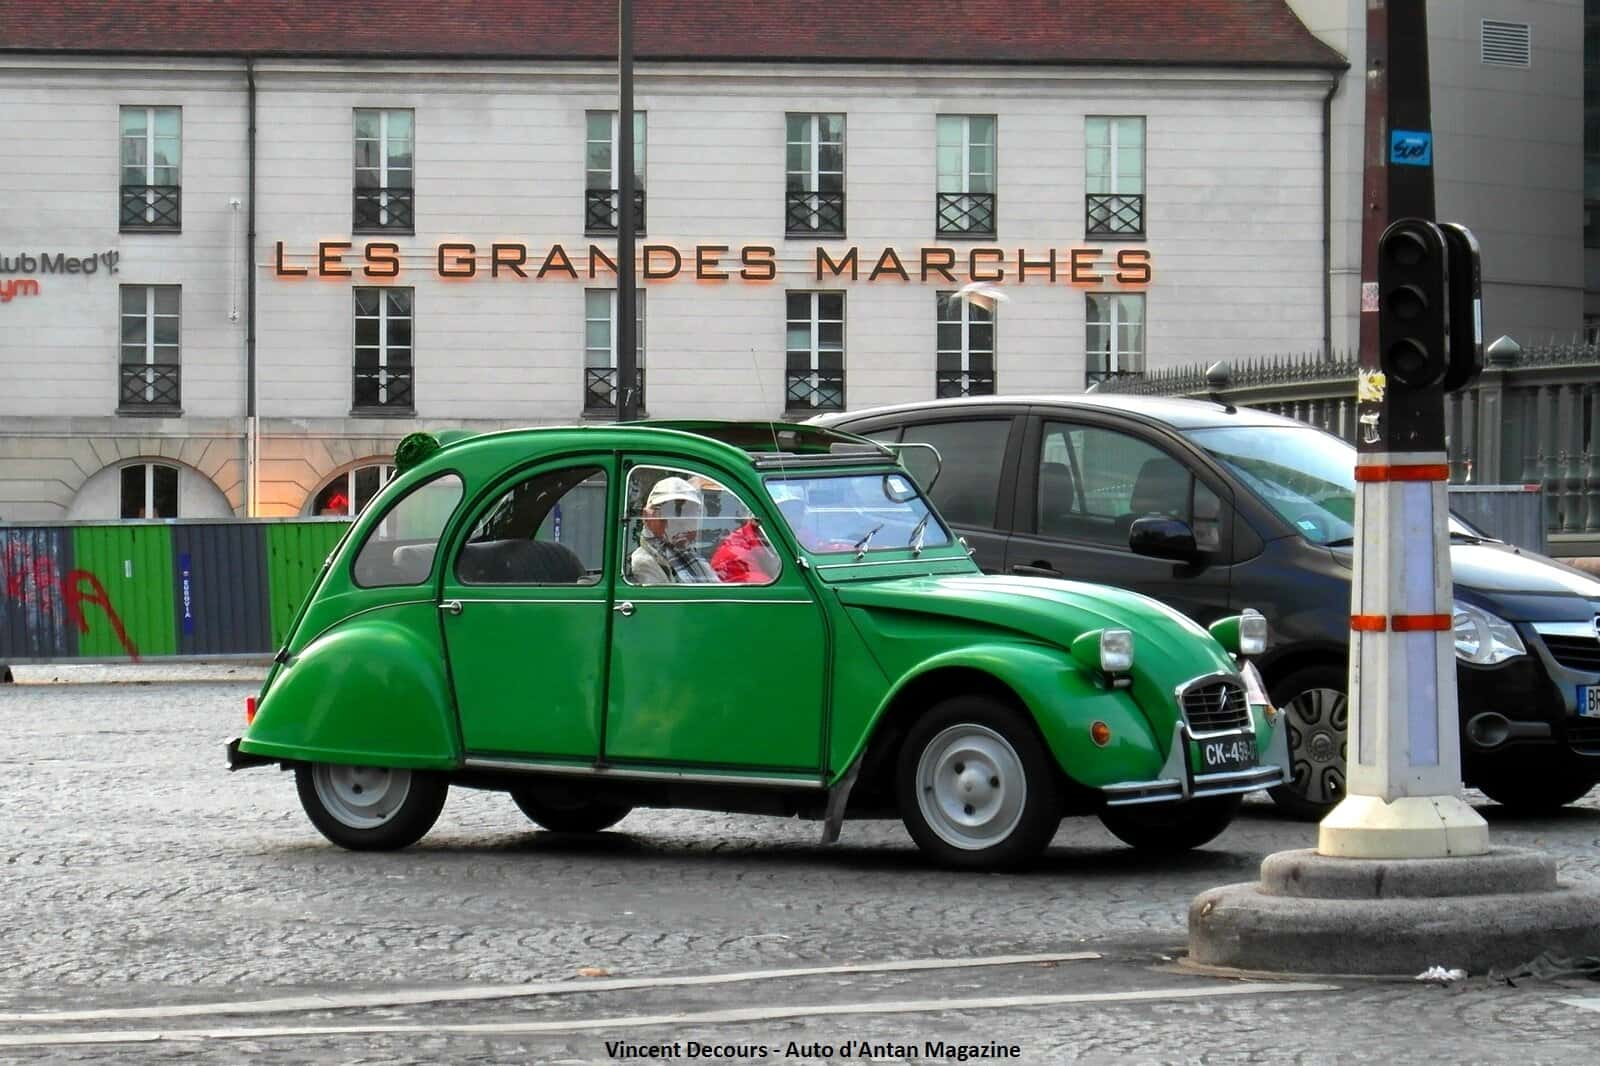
[794,696]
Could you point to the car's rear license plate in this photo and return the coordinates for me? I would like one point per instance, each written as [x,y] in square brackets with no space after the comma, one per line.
[1589,701]
[1236,751]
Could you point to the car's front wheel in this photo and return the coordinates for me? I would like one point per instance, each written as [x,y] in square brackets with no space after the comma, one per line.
[975,785]
[562,812]
[1169,828]
[370,808]
[1316,712]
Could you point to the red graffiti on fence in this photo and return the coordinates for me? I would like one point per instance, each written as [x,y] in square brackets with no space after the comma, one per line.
[35,581]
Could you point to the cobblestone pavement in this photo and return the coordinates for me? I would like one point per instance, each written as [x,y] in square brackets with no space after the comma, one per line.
[135,871]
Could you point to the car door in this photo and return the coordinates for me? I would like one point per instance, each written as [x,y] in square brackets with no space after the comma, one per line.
[718,644]
[974,489]
[1083,481]
[524,606]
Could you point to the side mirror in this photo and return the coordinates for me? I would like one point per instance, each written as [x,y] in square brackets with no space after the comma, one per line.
[1162,538]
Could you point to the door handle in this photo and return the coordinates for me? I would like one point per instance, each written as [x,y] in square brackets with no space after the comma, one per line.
[1038,569]
[625,608]
[453,606]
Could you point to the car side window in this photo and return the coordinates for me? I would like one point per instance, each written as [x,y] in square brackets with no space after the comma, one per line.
[400,547]
[972,455]
[1093,483]
[684,527]
[547,529]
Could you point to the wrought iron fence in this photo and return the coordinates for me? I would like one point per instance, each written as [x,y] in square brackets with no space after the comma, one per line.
[149,385]
[151,207]
[964,214]
[600,210]
[382,388]
[948,383]
[1099,377]
[600,390]
[814,212]
[1532,417]
[1113,215]
[384,210]
[814,390]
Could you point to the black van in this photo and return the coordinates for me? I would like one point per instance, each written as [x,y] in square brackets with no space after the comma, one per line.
[1263,511]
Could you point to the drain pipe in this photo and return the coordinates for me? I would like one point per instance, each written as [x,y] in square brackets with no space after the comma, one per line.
[1327,219]
[253,444]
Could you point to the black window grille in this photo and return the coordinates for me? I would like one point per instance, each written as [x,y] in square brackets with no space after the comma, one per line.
[600,389]
[947,383]
[814,390]
[965,214]
[151,207]
[149,385]
[815,212]
[600,210]
[383,388]
[384,211]
[1113,215]
[1093,377]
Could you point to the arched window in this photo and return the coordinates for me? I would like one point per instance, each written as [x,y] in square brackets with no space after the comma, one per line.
[149,490]
[349,492]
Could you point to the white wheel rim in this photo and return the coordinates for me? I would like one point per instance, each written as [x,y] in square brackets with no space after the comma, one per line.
[971,787]
[361,797]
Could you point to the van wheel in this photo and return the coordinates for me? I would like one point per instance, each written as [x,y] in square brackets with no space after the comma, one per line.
[975,785]
[563,812]
[1316,711]
[1533,787]
[1169,828]
[370,808]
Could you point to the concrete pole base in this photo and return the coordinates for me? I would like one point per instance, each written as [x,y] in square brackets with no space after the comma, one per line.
[1313,913]
[1411,827]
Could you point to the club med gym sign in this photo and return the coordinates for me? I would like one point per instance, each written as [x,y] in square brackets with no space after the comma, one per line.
[461,260]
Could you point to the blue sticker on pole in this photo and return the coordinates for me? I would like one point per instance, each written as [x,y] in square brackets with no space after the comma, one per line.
[186,574]
[1410,148]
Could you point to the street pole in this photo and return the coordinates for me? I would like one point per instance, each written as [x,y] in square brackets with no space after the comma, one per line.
[627,314]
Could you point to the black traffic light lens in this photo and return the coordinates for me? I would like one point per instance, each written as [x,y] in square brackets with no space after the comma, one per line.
[1405,249]
[1410,365]
[1407,302]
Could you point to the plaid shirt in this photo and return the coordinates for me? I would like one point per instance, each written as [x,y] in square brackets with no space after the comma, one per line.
[660,562]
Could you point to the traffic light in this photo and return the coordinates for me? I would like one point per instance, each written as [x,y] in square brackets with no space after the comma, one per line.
[1466,307]
[1413,304]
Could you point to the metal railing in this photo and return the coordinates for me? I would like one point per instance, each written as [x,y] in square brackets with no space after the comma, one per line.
[149,385]
[600,390]
[382,388]
[148,207]
[1101,377]
[964,214]
[600,210]
[948,383]
[1113,215]
[814,390]
[814,212]
[384,211]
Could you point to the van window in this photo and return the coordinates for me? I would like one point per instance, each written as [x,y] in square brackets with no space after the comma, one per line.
[1094,482]
[399,549]
[973,454]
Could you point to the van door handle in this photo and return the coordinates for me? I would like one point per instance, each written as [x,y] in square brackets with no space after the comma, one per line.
[1038,569]
[453,606]
[625,608]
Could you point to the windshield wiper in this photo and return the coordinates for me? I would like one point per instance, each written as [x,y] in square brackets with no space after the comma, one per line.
[916,535]
[862,544]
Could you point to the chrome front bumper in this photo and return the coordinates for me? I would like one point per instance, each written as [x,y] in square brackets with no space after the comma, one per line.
[1177,783]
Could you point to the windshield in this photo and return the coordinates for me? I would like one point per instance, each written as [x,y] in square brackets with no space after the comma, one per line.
[1305,475]
[857,512]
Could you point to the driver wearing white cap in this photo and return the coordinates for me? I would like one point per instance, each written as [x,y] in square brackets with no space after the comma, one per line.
[666,553]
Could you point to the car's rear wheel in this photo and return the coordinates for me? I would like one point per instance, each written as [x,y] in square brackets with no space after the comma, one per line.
[370,808]
[1534,786]
[975,785]
[1171,827]
[565,812]
[1316,712]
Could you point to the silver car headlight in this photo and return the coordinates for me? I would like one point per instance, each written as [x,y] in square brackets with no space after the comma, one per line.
[1484,638]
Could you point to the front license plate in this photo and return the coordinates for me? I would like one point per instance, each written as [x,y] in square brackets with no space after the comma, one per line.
[1589,701]
[1229,753]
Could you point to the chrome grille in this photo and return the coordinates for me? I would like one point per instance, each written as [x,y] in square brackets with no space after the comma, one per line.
[1214,706]
[1575,653]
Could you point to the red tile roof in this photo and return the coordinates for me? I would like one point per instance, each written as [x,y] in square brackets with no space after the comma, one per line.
[1185,32]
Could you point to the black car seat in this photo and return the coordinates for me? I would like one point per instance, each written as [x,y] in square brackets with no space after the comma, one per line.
[520,562]
[1056,507]
[1162,488]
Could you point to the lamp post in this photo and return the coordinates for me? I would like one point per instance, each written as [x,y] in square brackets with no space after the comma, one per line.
[627,302]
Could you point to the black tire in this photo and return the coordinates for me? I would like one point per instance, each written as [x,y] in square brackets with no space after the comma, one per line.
[1169,828]
[977,748]
[563,812]
[329,794]
[1315,705]
[1532,786]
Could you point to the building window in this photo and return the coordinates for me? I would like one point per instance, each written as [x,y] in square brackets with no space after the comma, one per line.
[385,197]
[1505,44]
[149,490]
[347,494]
[1113,177]
[600,350]
[965,202]
[600,173]
[148,373]
[383,366]
[814,158]
[814,376]
[1115,347]
[966,347]
[152,146]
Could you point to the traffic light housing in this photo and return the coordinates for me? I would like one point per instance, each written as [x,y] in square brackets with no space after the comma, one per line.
[1413,305]
[1466,307]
